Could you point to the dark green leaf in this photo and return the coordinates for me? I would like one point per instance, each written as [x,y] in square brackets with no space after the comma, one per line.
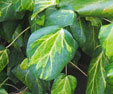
[3,59]
[19,41]
[96,75]
[36,85]
[78,30]
[7,11]
[45,48]
[106,40]
[64,84]
[62,18]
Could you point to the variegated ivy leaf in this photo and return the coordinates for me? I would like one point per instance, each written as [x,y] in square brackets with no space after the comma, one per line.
[91,7]
[49,49]
[62,18]
[40,5]
[97,75]
[106,40]
[3,59]
[64,84]
[7,11]
[21,5]
[36,85]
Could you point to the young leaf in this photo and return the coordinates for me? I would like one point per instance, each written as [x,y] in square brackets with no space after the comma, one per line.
[61,18]
[36,85]
[40,5]
[106,40]
[3,91]
[64,84]
[91,7]
[96,75]
[3,59]
[49,49]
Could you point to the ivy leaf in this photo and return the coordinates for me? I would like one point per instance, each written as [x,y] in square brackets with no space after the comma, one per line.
[19,41]
[36,85]
[78,31]
[40,5]
[62,18]
[3,59]
[45,49]
[8,12]
[22,5]
[64,84]
[91,7]
[106,40]
[3,91]
[96,75]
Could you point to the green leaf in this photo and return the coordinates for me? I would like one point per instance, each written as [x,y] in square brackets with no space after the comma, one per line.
[96,75]
[61,17]
[78,31]
[109,70]
[8,29]
[91,34]
[40,5]
[3,91]
[19,42]
[106,40]
[7,11]
[22,5]
[45,48]
[64,84]
[24,64]
[36,85]
[3,59]
[91,7]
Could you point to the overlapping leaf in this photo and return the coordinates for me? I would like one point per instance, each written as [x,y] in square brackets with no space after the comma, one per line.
[3,59]
[96,75]
[7,12]
[64,84]
[40,5]
[62,18]
[36,85]
[91,7]
[106,40]
[49,50]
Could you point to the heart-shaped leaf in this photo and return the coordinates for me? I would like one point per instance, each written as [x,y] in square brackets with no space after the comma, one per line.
[49,49]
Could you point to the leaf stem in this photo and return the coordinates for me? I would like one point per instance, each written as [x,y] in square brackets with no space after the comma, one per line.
[4,81]
[79,69]
[107,20]
[17,37]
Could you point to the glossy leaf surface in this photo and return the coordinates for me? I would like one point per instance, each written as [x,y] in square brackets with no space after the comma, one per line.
[91,7]
[34,84]
[106,40]
[45,47]
[96,75]
[41,5]
[64,84]
[62,18]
